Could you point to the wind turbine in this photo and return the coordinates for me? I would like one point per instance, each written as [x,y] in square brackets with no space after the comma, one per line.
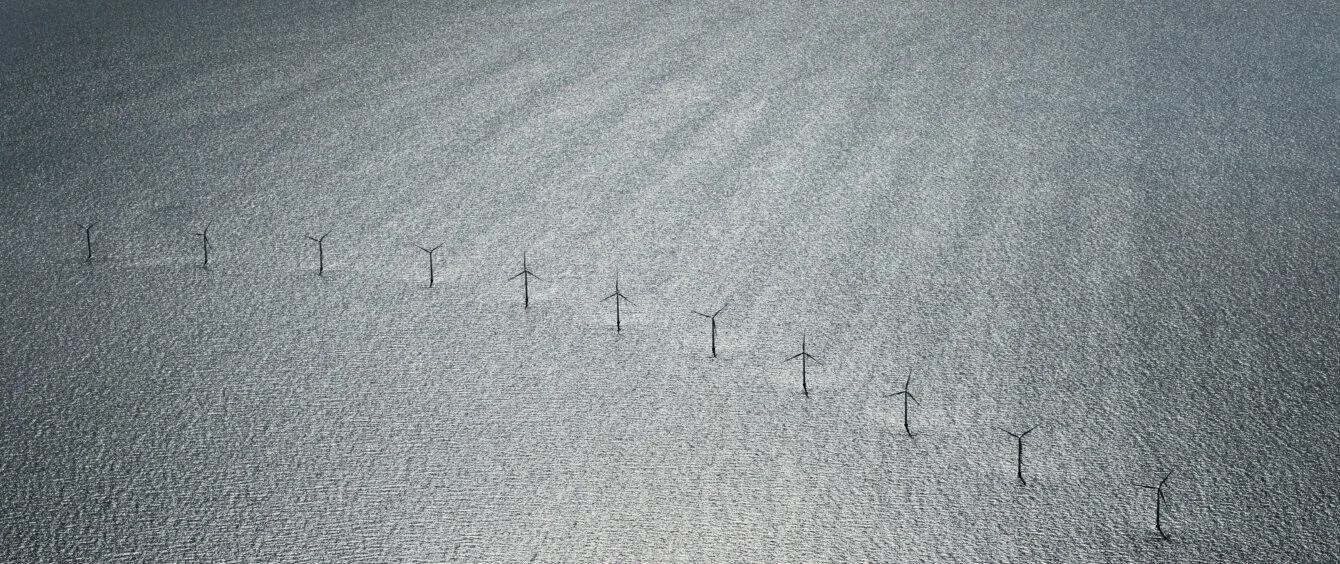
[906,396]
[430,261]
[1020,437]
[320,253]
[804,357]
[88,239]
[204,241]
[713,318]
[1158,503]
[618,297]
[525,275]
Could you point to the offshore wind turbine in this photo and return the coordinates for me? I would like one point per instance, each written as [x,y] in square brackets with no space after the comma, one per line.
[320,253]
[525,275]
[88,240]
[713,318]
[1020,465]
[430,261]
[906,396]
[1158,503]
[804,357]
[204,243]
[618,297]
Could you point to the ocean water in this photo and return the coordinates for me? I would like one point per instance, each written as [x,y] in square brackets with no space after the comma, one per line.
[1117,223]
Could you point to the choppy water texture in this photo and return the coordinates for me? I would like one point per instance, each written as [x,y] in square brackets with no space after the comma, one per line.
[1118,222]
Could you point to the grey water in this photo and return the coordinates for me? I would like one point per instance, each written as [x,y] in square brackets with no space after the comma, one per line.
[1116,222]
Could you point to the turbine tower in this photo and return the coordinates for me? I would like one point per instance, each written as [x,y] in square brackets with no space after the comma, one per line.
[906,396]
[618,297]
[320,253]
[88,240]
[430,261]
[1158,503]
[204,242]
[713,318]
[805,357]
[525,275]
[1020,438]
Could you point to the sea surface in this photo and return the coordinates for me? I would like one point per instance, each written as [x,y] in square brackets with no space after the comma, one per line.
[1117,222]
